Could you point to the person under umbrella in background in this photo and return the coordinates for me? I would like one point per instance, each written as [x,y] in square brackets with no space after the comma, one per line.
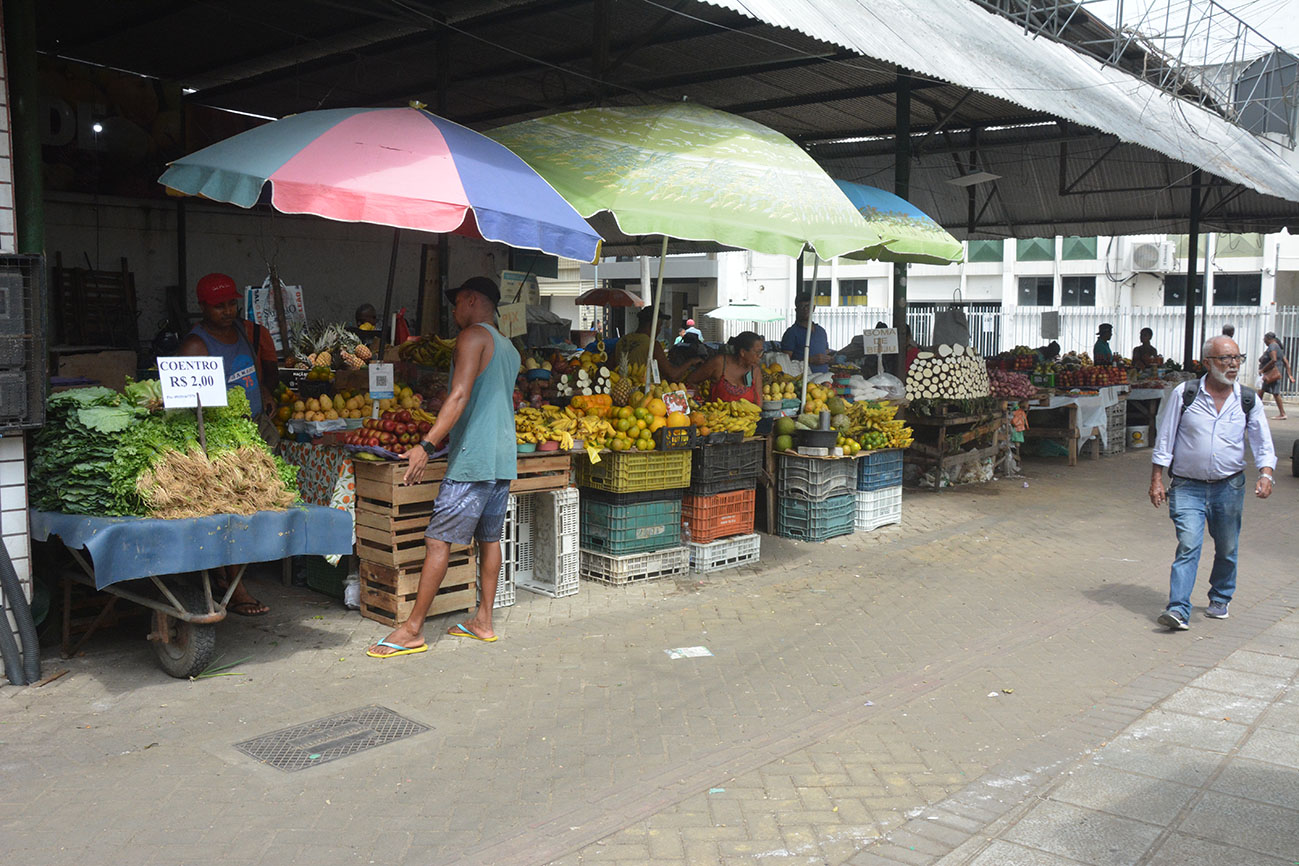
[795,338]
[736,374]
[637,345]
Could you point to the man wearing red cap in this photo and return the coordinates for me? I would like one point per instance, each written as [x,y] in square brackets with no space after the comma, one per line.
[250,362]
[246,347]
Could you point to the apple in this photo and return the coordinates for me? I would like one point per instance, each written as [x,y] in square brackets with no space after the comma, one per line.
[423,426]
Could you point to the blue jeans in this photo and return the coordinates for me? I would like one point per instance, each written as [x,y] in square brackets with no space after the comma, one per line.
[1192,505]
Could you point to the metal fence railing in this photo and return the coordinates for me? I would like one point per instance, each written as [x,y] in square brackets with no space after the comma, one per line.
[994,328]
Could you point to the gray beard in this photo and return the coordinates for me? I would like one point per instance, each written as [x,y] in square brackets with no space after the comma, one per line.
[1219,376]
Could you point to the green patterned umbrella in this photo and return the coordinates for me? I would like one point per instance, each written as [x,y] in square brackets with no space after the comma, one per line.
[692,173]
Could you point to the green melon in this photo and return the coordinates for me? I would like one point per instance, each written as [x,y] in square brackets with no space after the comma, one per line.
[784,427]
[784,442]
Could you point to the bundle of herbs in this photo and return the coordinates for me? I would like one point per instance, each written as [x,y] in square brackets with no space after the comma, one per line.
[73,456]
[147,461]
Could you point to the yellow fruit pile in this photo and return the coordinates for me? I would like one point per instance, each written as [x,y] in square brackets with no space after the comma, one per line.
[344,404]
[739,416]
[780,390]
[874,426]
[817,395]
[430,351]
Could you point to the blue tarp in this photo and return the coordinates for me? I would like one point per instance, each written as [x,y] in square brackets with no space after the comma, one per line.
[125,548]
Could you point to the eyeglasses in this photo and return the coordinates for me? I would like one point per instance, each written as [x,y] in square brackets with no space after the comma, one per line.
[1226,359]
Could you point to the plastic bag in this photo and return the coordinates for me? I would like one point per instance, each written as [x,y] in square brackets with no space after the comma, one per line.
[952,326]
[889,384]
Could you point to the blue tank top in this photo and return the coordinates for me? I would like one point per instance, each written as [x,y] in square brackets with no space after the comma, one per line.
[240,362]
[483,447]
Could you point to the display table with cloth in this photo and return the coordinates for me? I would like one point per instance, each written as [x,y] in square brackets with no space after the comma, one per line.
[1149,404]
[326,476]
[114,550]
[1086,418]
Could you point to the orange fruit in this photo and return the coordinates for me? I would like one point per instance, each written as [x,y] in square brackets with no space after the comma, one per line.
[645,444]
[657,408]
[678,419]
[657,423]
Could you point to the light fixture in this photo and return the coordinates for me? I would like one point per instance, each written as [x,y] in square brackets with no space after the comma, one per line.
[974,178]
[96,127]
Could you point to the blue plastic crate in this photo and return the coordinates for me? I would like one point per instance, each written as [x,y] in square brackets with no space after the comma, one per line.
[816,521]
[618,530]
[879,470]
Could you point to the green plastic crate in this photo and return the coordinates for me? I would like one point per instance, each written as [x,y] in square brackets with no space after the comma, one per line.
[639,528]
[323,577]
[634,471]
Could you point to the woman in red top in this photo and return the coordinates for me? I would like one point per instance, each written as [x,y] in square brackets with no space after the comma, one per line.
[735,376]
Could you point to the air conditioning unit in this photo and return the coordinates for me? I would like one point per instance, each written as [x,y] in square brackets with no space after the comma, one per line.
[1156,257]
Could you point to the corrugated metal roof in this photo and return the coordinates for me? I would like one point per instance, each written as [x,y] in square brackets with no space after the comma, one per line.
[991,54]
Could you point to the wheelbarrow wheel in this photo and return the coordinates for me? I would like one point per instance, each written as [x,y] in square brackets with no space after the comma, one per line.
[189,648]
[1294,459]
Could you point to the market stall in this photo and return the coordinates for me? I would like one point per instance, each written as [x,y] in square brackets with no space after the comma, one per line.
[118,554]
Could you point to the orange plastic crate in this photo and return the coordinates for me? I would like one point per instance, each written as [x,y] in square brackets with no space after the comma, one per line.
[720,515]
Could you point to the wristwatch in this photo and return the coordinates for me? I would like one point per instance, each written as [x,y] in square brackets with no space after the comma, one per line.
[428,447]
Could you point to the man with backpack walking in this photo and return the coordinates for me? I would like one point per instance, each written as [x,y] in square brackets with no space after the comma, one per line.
[1202,436]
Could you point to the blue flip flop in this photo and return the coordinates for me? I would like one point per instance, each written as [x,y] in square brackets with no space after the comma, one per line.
[400,650]
[459,630]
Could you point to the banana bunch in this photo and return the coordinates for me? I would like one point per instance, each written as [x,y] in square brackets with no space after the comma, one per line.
[739,416]
[530,426]
[874,425]
[421,415]
[430,351]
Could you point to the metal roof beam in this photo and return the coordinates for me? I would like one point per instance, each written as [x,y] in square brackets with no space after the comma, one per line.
[813,139]
[378,48]
[838,95]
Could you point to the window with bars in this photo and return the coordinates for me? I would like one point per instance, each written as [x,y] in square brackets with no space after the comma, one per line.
[852,293]
[821,291]
[1077,291]
[1175,290]
[1243,290]
[1036,292]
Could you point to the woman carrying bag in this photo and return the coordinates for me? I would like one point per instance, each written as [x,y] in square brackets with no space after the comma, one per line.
[1269,370]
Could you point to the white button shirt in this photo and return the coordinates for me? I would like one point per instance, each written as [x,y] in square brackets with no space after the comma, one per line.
[1210,445]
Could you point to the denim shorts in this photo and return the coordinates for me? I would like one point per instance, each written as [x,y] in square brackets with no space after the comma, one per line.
[468,510]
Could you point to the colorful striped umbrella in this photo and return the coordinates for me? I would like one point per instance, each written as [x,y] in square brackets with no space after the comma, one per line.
[400,167]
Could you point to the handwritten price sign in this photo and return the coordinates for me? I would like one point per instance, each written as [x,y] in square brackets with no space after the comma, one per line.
[185,381]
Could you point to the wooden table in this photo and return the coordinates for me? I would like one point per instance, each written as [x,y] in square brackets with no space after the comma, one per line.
[959,430]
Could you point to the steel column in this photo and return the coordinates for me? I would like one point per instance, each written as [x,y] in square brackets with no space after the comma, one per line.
[902,189]
[1192,263]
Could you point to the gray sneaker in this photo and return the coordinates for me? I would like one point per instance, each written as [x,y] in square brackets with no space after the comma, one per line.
[1173,620]
[1216,609]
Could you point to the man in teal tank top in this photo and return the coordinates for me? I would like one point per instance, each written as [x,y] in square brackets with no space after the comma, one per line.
[478,416]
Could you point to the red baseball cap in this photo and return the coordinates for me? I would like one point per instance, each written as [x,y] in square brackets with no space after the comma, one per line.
[216,289]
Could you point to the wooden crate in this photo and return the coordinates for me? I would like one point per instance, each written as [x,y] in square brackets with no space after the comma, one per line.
[542,471]
[394,541]
[388,592]
[379,489]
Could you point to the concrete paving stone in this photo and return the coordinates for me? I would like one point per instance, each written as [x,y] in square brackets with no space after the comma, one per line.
[1247,824]
[919,842]
[902,854]
[1281,716]
[1261,663]
[1215,705]
[1240,683]
[1092,837]
[1278,747]
[1161,760]
[1257,780]
[1156,801]
[1180,850]
[1001,853]
[1181,729]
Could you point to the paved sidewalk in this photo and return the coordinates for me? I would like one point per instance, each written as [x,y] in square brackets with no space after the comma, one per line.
[962,662]
[1209,777]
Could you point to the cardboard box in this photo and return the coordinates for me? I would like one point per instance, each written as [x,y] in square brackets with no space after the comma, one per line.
[108,368]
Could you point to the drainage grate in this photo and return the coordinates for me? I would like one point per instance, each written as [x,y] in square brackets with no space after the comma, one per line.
[328,739]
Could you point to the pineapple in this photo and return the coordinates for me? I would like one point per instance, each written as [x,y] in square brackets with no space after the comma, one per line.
[362,351]
[622,389]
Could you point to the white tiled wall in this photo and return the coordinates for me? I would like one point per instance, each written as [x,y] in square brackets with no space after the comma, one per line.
[13,509]
[8,241]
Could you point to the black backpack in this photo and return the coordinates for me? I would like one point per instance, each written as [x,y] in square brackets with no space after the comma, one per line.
[1247,397]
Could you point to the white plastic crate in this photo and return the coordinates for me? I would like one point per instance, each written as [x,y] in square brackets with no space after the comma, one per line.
[505,594]
[554,520]
[522,535]
[725,553]
[876,508]
[634,567]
